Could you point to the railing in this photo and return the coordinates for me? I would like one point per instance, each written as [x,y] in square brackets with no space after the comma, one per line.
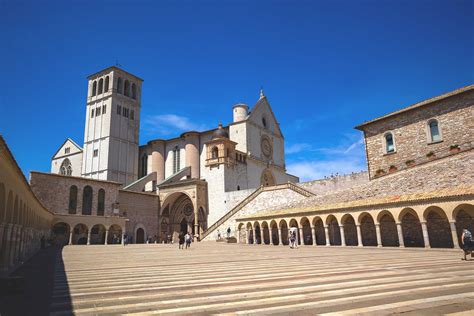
[250,197]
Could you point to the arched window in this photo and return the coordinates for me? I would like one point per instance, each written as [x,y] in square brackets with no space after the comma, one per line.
[119,85]
[101,203]
[94,88]
[433,127]
[66,168]
[176,160]
[389,143]
[134,91]
[126,88]
[87,201]
[101,86]
[72,199]
[106,86]
[264,121]
[144,163]
[215,152]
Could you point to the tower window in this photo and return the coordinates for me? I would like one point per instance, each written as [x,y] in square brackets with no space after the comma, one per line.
[134,91]
[389,143]
[119,85]
[92,113]
[96,153]
[97,111]
[214,152]
[101,86]
[119,109]
[435,135]
[104,108]
[94,88]
[126,88]
[176,160]
[106,86]
[125,112]
[132,114]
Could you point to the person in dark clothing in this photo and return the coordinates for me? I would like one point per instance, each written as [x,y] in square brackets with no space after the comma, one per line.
[181,241]
[467,244]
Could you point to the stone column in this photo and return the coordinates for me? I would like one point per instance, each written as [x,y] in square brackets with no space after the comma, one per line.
[157,159]
[400,235]
[196,224]
[359,236]
[247,234]
[280,241]
[343,237]
[270,231]
[313,232]
[452,225]
[192,153]
[70,238]
[301,241]
[255,236]
[123,236]
[426,238]
[88,236]
[379,236]
[106,237]
[13,240]
[326,231]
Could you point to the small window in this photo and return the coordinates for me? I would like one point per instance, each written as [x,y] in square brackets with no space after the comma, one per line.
[134,91]
[67,150]
[96,152]
[214,153]
[125,112]
[434,131]
[104,108]
[119,85]
[238,188]
[106,85]
[132,114]
[389,144]
[97,111]
[101,86]
[119,109]
[264,122]
[94,88]
[126,88]
[92,113]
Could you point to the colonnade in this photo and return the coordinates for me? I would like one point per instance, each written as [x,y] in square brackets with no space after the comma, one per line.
[430,226]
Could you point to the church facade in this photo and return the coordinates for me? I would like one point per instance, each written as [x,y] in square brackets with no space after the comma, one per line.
[189,181]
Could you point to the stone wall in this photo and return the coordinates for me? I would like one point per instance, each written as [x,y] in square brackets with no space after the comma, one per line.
[336,183]
[53,191]
[141,209]
[411,136]
[264,200]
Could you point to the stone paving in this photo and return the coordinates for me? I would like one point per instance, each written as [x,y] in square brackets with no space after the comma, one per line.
[216,278]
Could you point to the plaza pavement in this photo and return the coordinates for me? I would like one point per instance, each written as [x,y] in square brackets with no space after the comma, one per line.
[215,278]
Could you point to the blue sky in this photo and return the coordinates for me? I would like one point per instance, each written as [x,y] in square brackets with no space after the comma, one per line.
[325,66]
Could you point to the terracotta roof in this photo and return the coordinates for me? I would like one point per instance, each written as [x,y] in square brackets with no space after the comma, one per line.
[419,104]
[448,192]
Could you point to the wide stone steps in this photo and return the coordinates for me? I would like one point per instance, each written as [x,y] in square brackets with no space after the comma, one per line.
[219,278]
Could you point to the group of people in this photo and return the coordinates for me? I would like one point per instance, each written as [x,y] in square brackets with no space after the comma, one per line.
[185,240]
[293,239]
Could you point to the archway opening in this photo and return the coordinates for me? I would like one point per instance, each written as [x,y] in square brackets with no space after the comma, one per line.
[266,233]
[350,230]
[179,211]
[250,239]
[367,230]
[79,236]
[97,235]
[307,233]
[464,215]
[140,236]
[115,235]
[439,232]
[242,237]
[274,229]
[294,224]
[411,228]
[258,234]
[388,231]
[334,231]
[284,233]
[320,234]
[61,232]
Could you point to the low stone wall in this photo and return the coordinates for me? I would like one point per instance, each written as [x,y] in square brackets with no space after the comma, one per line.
[336,183]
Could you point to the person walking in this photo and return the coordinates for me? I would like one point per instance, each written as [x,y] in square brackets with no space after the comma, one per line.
[125,239]
[187,240]
[218,235]
[181,240]
[466,240]
[228,232]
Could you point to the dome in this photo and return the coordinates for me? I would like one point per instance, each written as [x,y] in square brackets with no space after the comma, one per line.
[220,133]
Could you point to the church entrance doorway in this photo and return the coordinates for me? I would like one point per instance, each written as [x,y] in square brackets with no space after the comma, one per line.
[140,238]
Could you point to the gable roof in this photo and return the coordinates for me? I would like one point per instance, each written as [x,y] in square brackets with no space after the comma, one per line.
[417,105]
[261,102]
[67,139]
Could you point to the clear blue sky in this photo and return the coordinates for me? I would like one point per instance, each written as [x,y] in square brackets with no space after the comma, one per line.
[325,66]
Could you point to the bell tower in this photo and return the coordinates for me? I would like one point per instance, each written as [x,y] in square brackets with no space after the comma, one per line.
[112,126]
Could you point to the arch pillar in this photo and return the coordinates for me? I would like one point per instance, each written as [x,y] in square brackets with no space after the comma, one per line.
[88,236]
[452,225]
[379,236]
[400,235]
[343,238]
[326,232]
[301,237]
[270,231]
[123,236]
[247,234]
[359,236]
[313,231]
[279,237]
[106,236]
[426,238]
[70,236]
